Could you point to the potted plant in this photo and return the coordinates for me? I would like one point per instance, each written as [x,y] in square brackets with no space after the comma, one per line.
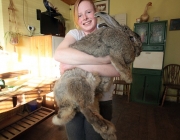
[12,37]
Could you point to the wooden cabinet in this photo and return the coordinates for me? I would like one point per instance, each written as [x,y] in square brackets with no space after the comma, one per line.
[146,86]
[147,68]
[42,50]
[152,33]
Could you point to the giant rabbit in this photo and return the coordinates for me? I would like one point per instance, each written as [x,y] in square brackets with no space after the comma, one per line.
[76,89]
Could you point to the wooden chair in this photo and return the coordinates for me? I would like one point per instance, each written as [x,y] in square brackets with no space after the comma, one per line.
[171,80]
[126,86]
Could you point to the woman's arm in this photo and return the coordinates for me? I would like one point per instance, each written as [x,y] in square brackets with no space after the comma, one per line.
[103,70]
[65,54]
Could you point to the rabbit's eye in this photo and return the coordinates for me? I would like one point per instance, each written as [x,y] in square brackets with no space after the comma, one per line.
[131,38]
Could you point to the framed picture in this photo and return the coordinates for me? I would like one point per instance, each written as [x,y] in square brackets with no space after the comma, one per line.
[102,6]
[174,24]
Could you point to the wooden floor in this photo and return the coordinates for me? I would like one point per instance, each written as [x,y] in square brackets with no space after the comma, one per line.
[133,121]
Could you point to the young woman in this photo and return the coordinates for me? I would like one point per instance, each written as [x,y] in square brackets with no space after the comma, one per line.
[78,128]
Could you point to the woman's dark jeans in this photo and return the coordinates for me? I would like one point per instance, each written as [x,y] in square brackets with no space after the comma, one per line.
[80,129]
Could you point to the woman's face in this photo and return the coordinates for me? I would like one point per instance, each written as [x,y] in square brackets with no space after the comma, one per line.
[86,20]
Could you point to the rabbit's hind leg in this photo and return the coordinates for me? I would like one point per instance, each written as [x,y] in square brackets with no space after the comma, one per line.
[66,113]
[102,126]
[81,89]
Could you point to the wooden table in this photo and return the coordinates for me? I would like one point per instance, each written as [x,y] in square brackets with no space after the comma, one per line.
[15,121]
[29,89]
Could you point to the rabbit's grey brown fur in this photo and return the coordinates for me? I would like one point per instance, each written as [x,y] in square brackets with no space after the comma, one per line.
[76,89]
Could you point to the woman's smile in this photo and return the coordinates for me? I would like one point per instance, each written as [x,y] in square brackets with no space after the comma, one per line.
[87,22]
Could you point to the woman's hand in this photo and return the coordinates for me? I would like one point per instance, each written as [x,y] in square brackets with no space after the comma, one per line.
[64,67]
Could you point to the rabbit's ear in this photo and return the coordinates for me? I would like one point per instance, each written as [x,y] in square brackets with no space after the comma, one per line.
[110,21]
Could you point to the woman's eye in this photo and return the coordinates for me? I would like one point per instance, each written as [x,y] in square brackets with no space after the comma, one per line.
[88,12]
[79,15]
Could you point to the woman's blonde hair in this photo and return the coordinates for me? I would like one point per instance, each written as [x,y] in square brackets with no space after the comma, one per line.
[76,5]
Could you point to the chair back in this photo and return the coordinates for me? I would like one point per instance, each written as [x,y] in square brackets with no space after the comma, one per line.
[171,74]
[117,78]
[126,86]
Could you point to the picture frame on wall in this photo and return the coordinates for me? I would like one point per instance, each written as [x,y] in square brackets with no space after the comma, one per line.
[174,24]
[102,6]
